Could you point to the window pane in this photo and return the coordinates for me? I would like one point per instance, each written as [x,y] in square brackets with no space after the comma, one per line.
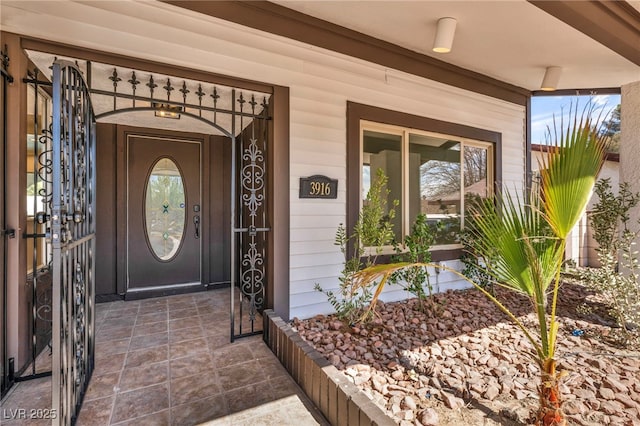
[383,151]
[434,185]
[164,209]
[476,178]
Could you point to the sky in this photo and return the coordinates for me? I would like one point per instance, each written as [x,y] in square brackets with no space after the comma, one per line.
[543,109]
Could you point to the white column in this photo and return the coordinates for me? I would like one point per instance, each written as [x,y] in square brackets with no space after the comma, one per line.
[630,141]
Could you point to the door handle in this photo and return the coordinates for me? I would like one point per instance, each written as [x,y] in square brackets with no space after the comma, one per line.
[9,233]
[196,222]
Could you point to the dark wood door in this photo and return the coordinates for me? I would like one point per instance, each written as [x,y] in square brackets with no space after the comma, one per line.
[164,217]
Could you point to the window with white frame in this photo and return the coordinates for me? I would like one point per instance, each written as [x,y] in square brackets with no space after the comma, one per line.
[429,173]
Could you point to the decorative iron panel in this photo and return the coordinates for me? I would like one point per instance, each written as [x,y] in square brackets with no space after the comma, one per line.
[73,240]
[251,227]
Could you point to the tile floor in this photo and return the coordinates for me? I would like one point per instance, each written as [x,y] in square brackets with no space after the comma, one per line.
[168,361]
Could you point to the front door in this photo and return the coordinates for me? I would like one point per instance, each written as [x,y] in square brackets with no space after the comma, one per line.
[163,213]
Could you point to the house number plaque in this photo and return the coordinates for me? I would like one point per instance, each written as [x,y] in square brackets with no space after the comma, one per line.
[318,186]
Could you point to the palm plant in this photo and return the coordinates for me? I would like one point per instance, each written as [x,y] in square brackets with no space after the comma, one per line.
[522,243]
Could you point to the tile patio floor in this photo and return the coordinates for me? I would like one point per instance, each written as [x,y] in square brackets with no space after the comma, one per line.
[168,361]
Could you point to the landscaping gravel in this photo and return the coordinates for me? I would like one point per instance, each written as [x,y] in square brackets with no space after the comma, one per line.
[467,364]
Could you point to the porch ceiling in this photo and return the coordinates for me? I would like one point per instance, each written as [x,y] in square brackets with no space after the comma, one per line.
[509,40]
[513,40]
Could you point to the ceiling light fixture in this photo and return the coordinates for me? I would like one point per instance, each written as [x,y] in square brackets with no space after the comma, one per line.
[551,79]
[444,35]
[166,110]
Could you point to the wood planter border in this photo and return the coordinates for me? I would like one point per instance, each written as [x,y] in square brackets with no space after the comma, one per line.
[340,401]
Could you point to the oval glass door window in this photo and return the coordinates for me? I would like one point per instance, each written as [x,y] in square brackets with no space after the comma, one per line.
[165,209]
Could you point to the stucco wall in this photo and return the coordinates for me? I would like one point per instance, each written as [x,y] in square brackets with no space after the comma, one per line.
[630,140]
[321,82]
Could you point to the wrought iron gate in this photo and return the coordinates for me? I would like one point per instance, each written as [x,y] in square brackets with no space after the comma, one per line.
[73,239]
[4,233]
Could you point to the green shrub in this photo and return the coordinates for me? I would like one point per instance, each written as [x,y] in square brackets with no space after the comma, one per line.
[415,249]
[372,231]
[616,280]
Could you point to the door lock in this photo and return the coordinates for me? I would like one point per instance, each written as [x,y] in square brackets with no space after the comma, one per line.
[196,222]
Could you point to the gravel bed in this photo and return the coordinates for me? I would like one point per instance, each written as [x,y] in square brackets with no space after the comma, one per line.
[467,364]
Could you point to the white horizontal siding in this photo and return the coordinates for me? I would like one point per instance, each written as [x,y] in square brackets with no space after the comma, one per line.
[313,206]
[314,273]
[321,82]
[310,234]
[314,247]
[324,221]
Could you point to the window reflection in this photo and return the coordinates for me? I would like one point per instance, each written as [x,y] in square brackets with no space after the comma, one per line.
[434,185]
[383,151]
[432,174]
[476,185]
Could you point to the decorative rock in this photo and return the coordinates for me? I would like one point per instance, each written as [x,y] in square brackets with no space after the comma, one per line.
[334,359]
[452,401]
[407,415]
[506,387]
[435,382]
[582,393]
[359,380]
[609,382]
[617,420]
[429,417]
[626,400]
[409,403]
[593,404]
[519,394]
[611,407]
[606,393]
[351,372]
[483,359]
[492,392]
[574,407]
[405,357]
[492,362]
[397,374]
